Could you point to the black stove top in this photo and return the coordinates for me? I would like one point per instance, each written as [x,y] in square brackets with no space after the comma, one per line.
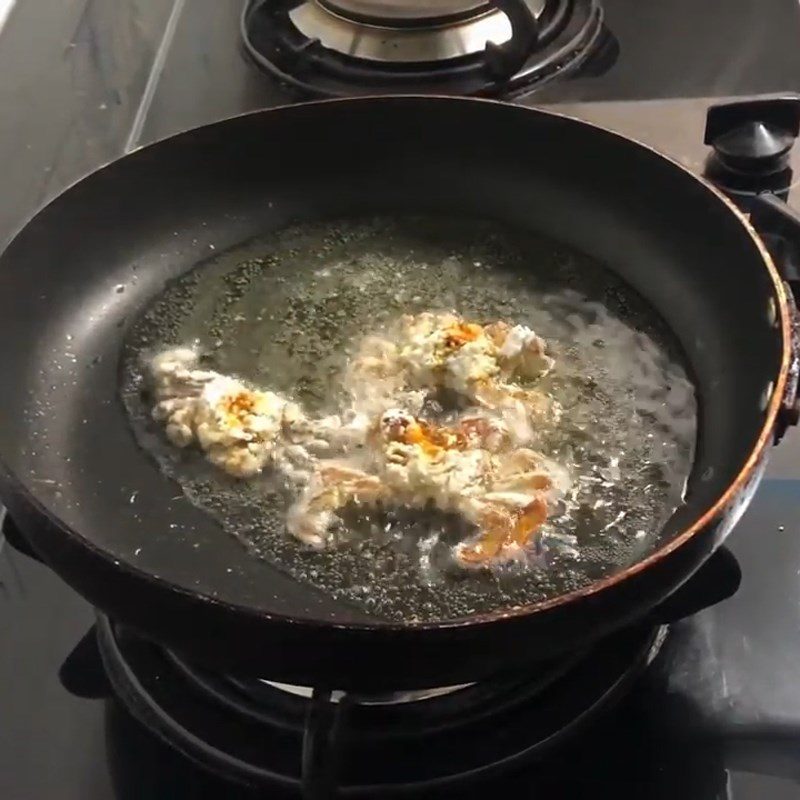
[717,714]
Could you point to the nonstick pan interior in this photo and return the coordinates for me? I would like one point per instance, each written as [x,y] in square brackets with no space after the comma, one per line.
[75,279]
[286,311]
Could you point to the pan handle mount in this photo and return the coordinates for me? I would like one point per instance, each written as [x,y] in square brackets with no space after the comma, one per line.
[752,140]
[779,227]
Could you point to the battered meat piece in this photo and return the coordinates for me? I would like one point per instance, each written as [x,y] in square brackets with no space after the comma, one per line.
[241,430]
[431,351]
[381,452]
[469,469]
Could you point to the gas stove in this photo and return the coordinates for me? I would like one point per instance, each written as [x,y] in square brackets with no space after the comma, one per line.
[708,710]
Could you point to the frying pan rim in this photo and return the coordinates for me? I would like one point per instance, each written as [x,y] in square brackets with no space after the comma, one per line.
[484,618]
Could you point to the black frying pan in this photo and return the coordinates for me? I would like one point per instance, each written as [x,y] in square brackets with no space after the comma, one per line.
[70,461]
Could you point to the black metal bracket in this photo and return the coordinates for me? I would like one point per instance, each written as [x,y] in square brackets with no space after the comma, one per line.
[82,673]
[504,60]
[716,580]
[779,226]
[322,745]
[12,534]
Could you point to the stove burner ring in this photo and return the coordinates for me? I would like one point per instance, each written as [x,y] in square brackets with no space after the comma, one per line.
[402,44]
[326,48]
[419,39]
[397,13]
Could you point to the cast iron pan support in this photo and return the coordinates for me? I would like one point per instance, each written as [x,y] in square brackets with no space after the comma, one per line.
[325,732]
[752,140]
[322,744]
[324,737]
[504,60]
[499,62]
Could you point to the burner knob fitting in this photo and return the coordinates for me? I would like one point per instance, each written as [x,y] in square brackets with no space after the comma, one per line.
[754,136]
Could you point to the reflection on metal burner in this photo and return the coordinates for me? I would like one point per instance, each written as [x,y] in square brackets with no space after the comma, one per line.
[414,11]
[419,38]
[386,699]
[399,44]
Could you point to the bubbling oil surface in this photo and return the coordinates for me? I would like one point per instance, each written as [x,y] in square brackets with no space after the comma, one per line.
[285,312]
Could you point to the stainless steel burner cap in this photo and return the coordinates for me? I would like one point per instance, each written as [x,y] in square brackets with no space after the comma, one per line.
[414,32]
[410,11]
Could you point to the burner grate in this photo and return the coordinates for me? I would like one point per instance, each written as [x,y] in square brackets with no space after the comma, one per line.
[251,732]
[491,54]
